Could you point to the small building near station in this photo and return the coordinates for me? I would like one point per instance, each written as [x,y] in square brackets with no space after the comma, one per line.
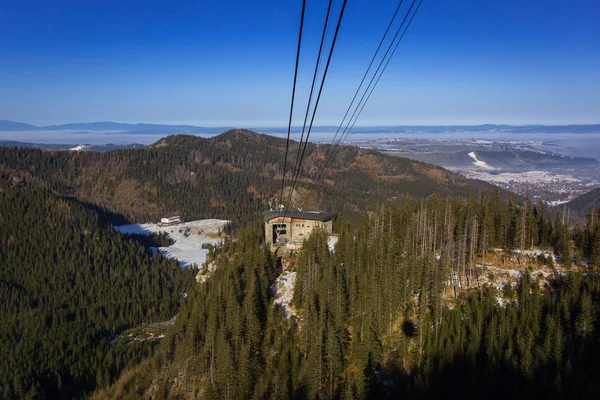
[293,227]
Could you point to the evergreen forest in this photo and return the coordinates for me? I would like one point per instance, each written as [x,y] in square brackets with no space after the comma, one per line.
[69,284]
[380,317]
[402,306]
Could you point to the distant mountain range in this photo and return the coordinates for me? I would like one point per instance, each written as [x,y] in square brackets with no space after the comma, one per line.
[53,146]
[107,126]
[11,126]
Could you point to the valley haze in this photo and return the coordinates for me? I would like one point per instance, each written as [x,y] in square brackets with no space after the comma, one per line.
[580,140]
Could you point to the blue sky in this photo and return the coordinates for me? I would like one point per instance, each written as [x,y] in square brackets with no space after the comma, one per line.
[230,62]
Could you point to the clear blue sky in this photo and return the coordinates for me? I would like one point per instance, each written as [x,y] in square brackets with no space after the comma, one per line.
[230,62]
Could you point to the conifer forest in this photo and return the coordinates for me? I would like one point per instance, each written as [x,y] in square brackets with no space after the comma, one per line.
[373,317]
[402,306]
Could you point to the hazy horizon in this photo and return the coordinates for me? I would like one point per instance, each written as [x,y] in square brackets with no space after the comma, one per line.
[583,144]
[203,124]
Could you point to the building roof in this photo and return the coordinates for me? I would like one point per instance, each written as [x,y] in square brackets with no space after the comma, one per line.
[311,215]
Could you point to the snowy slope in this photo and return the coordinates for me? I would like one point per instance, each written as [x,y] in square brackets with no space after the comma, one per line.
[188,237]
[284,292]
[478,162]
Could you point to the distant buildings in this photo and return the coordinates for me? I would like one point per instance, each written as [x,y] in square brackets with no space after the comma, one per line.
[292,227]
[170,220]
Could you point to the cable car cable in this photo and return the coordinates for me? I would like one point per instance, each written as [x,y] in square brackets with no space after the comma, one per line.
[335,36]
[287,143]
[373,83]
[314,80]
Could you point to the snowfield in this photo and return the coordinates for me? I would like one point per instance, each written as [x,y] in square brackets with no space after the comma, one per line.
[188,237]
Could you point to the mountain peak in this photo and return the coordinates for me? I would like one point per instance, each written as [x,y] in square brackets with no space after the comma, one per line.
[246,137]
[6,125]
[238,134]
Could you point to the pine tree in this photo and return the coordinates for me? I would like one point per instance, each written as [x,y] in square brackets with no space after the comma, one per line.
[584,324]
[522,226]
[595,248]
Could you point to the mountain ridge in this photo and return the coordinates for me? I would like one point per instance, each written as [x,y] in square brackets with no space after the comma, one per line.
[235,174]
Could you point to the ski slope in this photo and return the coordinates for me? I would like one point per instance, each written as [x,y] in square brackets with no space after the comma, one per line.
[478,162]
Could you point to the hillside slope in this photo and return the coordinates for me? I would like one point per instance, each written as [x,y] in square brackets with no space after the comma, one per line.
[509,160]
[584,203]
[68,284]
[388,308]
[15,126]
[235,174]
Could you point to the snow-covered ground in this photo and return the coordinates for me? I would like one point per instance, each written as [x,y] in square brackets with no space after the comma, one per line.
[498,273]
[188,237]
[81,147]
[284,292]
[530,253]
[283,287]
[522,177]
[557,202]
[478,162]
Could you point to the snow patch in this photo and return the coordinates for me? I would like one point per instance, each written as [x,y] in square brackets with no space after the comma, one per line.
[81,147]
[331,243]
[188,237]
[478,162]
[284,292]
[556,202]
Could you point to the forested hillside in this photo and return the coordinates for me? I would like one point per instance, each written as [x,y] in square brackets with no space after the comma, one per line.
[69,284]
[234,175]
[380,317]
[402,307]
[586,202]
